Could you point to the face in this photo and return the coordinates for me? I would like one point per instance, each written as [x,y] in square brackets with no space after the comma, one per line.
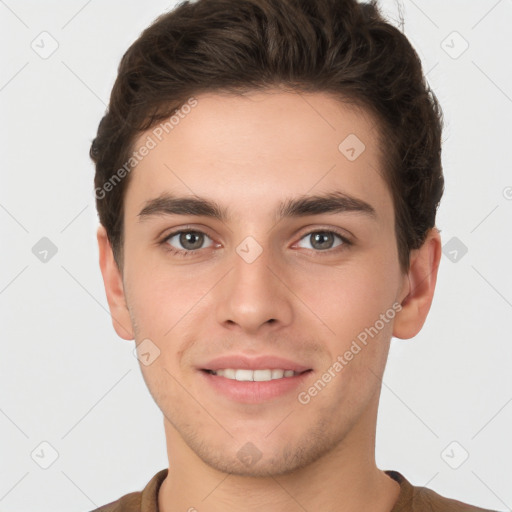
[284,285]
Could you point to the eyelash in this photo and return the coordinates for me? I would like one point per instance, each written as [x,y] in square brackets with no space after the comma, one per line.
[182,253]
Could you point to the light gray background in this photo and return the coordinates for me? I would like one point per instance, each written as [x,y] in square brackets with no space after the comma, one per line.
[68,380]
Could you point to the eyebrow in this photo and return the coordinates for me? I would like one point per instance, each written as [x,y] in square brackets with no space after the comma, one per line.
[332,202]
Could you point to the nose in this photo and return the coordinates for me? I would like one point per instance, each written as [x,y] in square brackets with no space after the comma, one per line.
[253,296]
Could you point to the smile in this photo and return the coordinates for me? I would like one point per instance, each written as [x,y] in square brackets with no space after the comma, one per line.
[245,375]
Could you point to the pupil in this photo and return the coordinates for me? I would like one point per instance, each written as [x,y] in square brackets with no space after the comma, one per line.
[325,236]
[188,238]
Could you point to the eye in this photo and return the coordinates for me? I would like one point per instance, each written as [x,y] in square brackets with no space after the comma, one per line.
[323,240]
[187,241]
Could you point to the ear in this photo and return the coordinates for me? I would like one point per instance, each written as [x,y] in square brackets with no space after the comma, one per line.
[419,286]
[114,288]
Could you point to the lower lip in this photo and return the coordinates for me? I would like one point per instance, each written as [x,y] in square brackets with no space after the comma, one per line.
[250,392]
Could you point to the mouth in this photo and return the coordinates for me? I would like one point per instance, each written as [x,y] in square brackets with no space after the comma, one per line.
[262,385]
[259,375]
[249,379]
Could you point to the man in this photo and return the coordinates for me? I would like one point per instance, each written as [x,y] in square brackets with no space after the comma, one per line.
[267,181]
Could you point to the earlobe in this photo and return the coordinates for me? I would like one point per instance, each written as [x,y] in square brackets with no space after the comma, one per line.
[422,277]
[114,289]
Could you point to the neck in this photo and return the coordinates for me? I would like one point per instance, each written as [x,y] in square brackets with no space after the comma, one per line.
[345,479]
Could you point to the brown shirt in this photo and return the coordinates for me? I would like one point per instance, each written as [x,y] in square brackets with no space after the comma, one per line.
[410,499]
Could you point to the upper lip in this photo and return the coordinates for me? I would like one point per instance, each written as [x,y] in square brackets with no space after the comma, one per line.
[253,363]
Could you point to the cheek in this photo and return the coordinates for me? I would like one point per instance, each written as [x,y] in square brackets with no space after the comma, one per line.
[350,302]
[158,294]
[351,297]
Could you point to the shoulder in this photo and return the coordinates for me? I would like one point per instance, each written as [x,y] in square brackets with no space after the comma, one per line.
[426,499]
[128,503]
[421,499]
[139,501]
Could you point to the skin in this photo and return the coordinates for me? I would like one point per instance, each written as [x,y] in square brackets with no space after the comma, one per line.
[296,300]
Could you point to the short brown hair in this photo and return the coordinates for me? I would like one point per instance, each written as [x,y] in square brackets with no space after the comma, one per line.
[340,47]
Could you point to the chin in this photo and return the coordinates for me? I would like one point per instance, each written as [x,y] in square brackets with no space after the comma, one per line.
[263,458]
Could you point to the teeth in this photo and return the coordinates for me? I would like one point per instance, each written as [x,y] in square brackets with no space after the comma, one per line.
[277,374]
[229,373]
[244,375]
[262,375]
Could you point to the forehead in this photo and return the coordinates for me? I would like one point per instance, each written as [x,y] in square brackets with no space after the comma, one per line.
[262,144]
